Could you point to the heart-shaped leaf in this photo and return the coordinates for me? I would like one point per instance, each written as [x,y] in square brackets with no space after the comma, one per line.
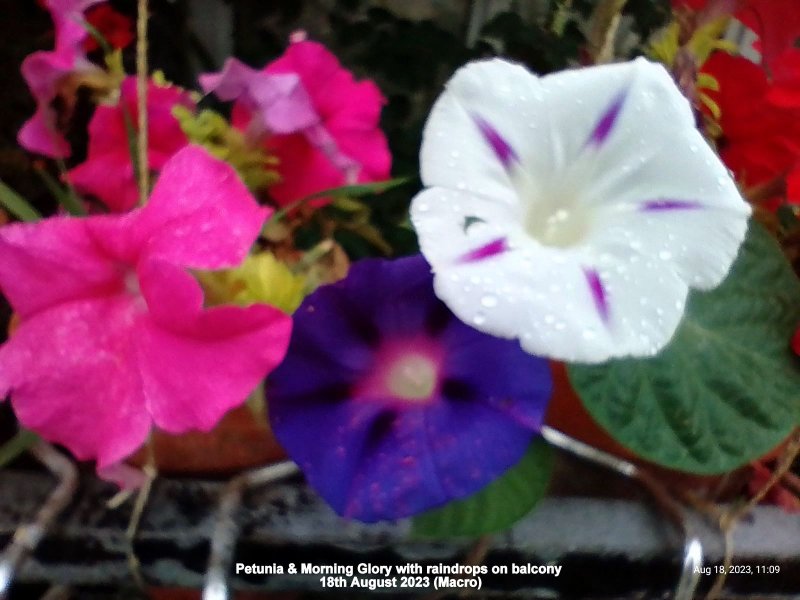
[726,390]
[497,506]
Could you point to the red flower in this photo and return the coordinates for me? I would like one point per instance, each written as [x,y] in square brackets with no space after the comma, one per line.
[760,117]
[115,27]
[777,24]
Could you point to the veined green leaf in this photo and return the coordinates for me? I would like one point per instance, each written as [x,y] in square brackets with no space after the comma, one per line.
[726,390]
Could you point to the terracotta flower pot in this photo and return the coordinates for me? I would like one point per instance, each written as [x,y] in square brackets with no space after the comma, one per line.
[241,440]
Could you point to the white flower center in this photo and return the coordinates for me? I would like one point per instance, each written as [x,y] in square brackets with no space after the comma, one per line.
[554,215]
[561,227]
[412,377]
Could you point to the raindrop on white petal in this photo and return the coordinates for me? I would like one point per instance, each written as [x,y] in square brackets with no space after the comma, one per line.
[479,319]
[694,149]
[489,301]
[455,154]
[589,334]
[665,255]
[422,207]
[560,326]
[549,319]
[678,304]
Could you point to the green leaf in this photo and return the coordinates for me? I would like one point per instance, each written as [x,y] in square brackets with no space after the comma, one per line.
[726,390]
[23,440]
[359,190]
[345,191]
[497,506]
[66,197]
[17,205]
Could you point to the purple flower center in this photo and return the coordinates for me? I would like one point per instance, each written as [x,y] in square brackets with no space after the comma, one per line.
[412,377]
[406,370]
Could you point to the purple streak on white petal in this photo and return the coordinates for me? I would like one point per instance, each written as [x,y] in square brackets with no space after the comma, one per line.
[502,149]
[606,123]
[489,250]
[598,293]
[668,205]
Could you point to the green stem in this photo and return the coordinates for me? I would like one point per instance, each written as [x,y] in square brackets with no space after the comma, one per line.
[17,205]
[23,440]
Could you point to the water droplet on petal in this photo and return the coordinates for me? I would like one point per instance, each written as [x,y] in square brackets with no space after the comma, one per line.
[479,319]
[489,301]
[665,255]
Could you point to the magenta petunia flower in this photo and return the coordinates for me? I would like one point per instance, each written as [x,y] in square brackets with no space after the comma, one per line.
[346,146]
[390,405]
[113,337]
[107,172]
[45,71]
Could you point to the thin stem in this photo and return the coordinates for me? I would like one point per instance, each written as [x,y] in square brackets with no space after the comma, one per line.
[226,529]
[142,496]
[141,97]
[731,519]
[27,537]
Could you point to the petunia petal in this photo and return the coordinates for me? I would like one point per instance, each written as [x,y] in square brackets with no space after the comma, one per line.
[81,388]
[279,101]
[197,364]
[200,214]
[51,262]
[109,177]
[42,72]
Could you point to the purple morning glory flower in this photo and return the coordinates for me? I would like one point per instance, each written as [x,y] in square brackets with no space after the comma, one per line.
[391,405]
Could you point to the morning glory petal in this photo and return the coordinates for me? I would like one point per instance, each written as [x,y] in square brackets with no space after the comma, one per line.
[584,242]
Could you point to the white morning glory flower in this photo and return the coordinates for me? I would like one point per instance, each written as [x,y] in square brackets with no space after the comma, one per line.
[573,211]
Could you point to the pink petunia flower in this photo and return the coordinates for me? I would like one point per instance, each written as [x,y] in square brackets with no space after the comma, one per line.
[45,71]
[277,103]
[346,146]
[113,338]
[108,171]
